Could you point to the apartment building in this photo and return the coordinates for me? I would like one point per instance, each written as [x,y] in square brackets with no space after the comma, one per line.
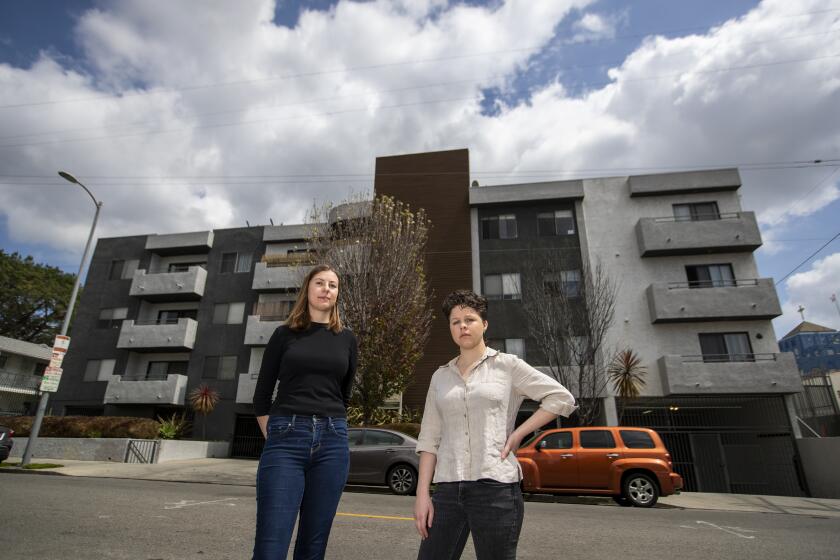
[162,314]
[21,366]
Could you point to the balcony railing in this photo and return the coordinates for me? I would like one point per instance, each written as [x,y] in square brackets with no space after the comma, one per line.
[715,358]
[14,382]
[745,283]
[701,217]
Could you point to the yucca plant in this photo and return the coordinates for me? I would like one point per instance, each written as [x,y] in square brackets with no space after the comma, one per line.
[173,427]
[203,400]
[626,373]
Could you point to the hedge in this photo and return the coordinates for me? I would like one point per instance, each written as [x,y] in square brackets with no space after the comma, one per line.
[85,426]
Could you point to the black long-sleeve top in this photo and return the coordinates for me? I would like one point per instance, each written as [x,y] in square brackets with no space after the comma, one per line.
[313,371]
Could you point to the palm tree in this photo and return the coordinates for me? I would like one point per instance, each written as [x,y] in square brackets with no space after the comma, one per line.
[203,400]
[626,373]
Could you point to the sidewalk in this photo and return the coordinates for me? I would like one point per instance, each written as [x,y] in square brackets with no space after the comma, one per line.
[241,472]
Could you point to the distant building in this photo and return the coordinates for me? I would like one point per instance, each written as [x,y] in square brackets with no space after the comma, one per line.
[21,367]
[816,348]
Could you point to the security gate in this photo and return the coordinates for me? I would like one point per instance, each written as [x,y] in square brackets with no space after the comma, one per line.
[742,444]
[141,451]
[248,440]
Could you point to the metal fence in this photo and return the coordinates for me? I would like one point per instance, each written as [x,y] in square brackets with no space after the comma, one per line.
[18,393]
[817,407]
[141,451]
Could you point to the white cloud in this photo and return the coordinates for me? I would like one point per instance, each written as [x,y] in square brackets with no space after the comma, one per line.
[325,97]
[812,289]
[592,27]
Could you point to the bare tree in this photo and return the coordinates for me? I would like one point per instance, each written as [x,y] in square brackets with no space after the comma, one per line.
[378,247]
[570,307]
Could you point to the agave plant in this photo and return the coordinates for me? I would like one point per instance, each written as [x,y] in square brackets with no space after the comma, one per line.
[172,427]
[626,373]
[203,400]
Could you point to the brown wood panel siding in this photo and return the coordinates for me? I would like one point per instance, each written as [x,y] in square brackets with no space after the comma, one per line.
[438,182]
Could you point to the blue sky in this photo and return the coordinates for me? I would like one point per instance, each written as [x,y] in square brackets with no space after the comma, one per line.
[552,65]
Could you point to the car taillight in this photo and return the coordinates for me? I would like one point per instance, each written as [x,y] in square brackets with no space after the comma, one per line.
[668,458]
[11,433]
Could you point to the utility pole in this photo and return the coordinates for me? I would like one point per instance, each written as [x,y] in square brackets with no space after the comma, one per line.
[45,396]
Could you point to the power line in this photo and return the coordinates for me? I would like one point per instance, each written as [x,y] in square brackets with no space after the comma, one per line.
[196,87]
[812,255]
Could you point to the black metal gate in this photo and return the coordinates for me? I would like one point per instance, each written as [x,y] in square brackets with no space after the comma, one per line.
[248,440]
[141,451]
[740,444]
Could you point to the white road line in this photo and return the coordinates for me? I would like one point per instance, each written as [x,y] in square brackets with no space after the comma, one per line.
[731,530]
[190,503]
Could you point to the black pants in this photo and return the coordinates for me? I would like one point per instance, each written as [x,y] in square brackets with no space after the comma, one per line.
[490,510]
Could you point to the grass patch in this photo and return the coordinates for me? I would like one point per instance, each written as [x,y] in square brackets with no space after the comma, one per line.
[32,466]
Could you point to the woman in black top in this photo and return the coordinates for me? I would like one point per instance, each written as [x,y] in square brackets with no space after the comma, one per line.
[311,360]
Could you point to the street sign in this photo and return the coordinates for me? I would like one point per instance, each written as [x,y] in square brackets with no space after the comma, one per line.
[52,376]
[57,358]
[61,344]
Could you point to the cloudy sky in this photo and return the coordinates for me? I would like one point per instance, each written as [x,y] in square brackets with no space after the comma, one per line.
[185,116]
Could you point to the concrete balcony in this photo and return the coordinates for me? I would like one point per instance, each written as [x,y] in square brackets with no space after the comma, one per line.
[153,336]
[258,331]
[169,286]
[729,233]
[245,388]
[728,300]
[180,243]
[171,390]
[748,373]
[267,277]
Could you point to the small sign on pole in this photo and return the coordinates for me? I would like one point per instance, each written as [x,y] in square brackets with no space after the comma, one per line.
[52,376]
[61,344]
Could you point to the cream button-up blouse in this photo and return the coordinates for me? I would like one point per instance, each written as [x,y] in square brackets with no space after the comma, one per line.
[466,423]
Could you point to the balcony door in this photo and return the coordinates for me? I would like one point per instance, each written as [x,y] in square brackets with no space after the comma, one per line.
[726,347]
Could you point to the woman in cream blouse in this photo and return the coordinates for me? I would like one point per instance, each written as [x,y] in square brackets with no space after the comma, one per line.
[468,443]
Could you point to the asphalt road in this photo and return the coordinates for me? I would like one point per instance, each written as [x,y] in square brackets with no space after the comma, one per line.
[55,517]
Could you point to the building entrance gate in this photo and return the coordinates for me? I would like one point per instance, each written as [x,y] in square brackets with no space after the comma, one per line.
[248,440]
[742,444]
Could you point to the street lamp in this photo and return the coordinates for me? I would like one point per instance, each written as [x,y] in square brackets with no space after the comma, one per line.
[42,403]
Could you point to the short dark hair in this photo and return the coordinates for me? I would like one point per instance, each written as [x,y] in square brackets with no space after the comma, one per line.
[465,298]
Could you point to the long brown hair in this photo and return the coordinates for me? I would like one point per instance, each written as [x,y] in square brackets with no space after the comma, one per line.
[299,318]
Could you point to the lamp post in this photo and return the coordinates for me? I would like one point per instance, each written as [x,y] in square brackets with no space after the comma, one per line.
[42,403]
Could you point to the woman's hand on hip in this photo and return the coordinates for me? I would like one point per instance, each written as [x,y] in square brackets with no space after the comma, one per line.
[424,513]
[512,444]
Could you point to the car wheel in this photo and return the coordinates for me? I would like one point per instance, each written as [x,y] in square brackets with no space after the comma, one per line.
[641,490]
[402,479]
[622,501]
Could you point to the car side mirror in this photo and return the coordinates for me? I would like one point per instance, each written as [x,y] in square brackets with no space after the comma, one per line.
[543,444]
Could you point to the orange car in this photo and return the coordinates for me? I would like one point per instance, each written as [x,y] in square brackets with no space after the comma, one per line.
[629,464]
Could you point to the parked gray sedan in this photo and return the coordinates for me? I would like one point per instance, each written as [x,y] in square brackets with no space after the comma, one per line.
[379,456]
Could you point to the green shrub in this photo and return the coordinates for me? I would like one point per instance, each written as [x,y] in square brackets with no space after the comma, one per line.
[86,426]
[173,428]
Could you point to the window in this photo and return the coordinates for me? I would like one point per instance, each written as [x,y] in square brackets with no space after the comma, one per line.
[228,313]
[515,346]
[710,276]
[273,309]
[726,347]
[99,370]
[376,437]
[219,367]
[696,212]
[39,369]
[171,316]
[354,437]
[112,317]
[566,282]
[557,440]
[235,262]
[184,267]
[499,227]
[502,286]
[3,360]
[559,222]
[122,269]
[637,440]
[596,439]
[158,370]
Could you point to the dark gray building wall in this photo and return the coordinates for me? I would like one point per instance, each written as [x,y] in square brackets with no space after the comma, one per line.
[507,318]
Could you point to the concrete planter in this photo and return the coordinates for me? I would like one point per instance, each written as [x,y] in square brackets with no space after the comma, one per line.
[116,449]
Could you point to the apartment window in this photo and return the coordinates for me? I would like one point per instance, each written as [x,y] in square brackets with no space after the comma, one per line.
[566,282]
[710,276]
[696,212]
[122,269]
[112,317]
[515,346]
[3,360]
[228,313]
[726,347]
[273,309]
[99,370]
[171,316]
[219,367]
[559,222]
[184,267]
[502,286]
[235,262]
[499,227]
[159,370]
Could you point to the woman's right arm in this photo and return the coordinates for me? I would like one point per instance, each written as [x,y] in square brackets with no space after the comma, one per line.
[267,379]
[427,445]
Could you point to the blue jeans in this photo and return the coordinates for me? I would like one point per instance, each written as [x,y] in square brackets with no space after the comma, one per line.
[303,467]
[492,511]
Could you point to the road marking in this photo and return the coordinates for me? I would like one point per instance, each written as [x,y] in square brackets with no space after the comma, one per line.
[731,530]
[189,503]
[375,516]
